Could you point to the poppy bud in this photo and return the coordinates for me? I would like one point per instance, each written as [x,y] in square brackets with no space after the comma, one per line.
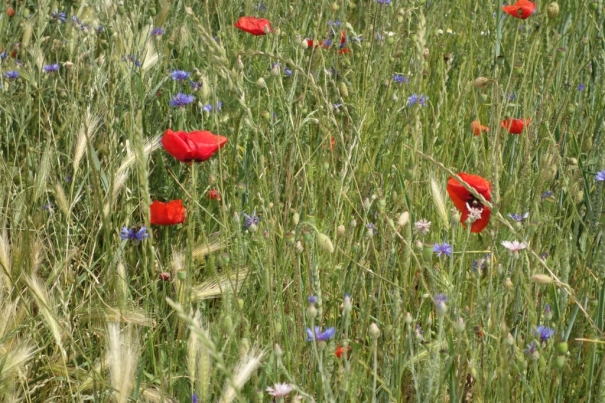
[571,108]
[265,115]
[403,219]
[325,243]
[289,237]
[181,275]
[542,279]
[374,331]
[165,276]
[481,82]
[343,90]
[299,248]
[508,284]
[295,218]
[587,144]
[381,203]
[518,69]
[483,98]
[552,11]
[226,324]
[560,362]
[240,303]
[10,12]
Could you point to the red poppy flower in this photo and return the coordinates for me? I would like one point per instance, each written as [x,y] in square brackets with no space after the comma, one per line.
[214,194]
[515,126]
[478,128]
[344,51]
[463,199]
[170,213]
[253,25]
[521,9]
[192,146]
[340,350]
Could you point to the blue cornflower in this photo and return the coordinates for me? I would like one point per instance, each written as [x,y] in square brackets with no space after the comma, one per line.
[417,99]
[532,350]
[194,398]
[400,78]
[210,108]
[179,75]
[336,106]
[11,75]
[288,72]
[49,207]
[372,228]
[327,43]
[544,333]
[157,31]
[59,16]
[383,1]
[181,100]
[312,299]
[51,68]
[600,176]
[581,87]
[319,335]
[100,29]
[480,264]
[547,309]
[250,220]
[443,249]
[134,234]
[440,300]
[335,23]
[547,194]
[195,85]
[3,55]
[519,217]
[76,20]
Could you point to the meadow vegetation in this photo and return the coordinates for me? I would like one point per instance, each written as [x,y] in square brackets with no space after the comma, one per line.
[404,203]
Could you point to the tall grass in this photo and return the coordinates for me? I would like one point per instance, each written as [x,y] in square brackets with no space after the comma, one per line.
[327,150]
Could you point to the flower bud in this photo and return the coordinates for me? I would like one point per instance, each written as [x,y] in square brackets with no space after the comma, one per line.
[181,275]
[353,223]
[459,325]
[374,332]
[311,312]
[343,90]
[481,82]
[226,324]
[278,351]
[299,248]
[275,71]
[542,279]
[560,362]
[347,306]
[408,319]
[552,11]
[325,243]
[334,6]
[295,218]
[165,276]
[261,82]
[561,347]
[508,284]
[340,230]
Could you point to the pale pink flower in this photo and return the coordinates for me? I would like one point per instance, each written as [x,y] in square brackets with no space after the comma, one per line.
[279,389]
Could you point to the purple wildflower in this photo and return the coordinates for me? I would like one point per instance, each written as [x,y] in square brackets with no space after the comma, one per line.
[195,85]
[157,31]
[544,333]
[51,68]
[319,335]
[210,108]
[134,234]
[417,99]
[443,249]
[519,217]
[581,87]
[11,75]
[600,176]
[312,299]
[179,75]
[59,16]
[181,100]
[546,194]
[401,79]
[250,220]
[288,72]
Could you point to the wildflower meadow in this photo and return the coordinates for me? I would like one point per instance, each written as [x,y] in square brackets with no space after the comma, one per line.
[296,201]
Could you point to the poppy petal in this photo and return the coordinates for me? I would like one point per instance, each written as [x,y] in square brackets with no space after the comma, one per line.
[461,197]
[175,143]
[170,213]
[205,144]
[254,26]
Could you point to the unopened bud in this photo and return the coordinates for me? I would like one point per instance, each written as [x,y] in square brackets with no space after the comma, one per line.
[295,219]
[341,230]
[542,279]
[261,83]
[374,332]
[299,248]
[325,243]
[481,82]
[403,219]
[277,350]
[408,318]
[460,325]
[552,11]
[508,284]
